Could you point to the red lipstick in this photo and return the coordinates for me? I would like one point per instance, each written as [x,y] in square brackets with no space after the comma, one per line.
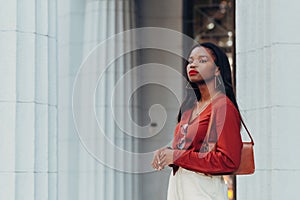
[193,72]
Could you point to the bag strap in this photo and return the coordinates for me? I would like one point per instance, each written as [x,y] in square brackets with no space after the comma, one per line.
[252,142]
[210,125]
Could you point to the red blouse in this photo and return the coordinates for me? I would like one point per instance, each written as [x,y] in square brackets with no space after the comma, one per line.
[225,131]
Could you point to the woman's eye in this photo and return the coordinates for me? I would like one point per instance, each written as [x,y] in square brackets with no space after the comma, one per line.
[203,60]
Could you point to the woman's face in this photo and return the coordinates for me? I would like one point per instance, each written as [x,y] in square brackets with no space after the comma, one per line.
[201,66]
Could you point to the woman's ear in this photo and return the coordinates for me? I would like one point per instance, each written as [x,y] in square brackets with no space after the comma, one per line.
[217,71]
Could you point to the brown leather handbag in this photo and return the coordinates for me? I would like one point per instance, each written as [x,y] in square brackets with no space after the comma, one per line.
[247,165]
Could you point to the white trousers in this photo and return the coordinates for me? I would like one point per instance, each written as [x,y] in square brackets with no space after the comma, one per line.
[189,185]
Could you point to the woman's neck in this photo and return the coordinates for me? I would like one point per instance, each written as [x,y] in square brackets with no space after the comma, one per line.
[207,92]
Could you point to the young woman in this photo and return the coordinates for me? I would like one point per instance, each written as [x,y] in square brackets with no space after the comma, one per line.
[200,155]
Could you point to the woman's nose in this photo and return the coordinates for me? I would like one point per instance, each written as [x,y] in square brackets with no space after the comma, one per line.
[192,65]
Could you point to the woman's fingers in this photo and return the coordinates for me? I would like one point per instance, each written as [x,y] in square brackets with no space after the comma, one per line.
[156,160]
[167,157]
[159,159]
[163,162]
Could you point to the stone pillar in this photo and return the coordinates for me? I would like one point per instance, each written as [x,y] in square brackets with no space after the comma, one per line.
[82,25]
[268,71]
[28,148]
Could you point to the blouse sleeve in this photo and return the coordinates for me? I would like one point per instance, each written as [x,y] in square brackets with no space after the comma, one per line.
[226,157]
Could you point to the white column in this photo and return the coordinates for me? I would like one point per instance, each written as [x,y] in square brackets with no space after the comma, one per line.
[268,71]
[28,100]
[81,26]
[8,48]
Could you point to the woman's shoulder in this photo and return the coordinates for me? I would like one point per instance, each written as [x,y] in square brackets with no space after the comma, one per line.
[223,102]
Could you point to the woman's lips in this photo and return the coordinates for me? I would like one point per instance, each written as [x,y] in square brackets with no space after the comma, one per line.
[193,72]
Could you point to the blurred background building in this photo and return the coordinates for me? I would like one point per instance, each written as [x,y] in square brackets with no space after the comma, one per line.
[42,45]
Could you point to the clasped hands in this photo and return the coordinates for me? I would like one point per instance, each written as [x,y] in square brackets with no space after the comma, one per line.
[161,158]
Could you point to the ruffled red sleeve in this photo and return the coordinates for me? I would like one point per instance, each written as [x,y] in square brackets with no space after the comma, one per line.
[226,156]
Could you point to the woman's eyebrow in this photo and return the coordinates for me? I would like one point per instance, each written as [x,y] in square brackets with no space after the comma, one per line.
[200,56]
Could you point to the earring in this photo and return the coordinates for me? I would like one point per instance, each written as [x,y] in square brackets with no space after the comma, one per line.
[188,86]
[217,82]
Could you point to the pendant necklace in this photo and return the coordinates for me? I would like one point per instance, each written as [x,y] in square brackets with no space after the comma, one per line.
[206,104]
